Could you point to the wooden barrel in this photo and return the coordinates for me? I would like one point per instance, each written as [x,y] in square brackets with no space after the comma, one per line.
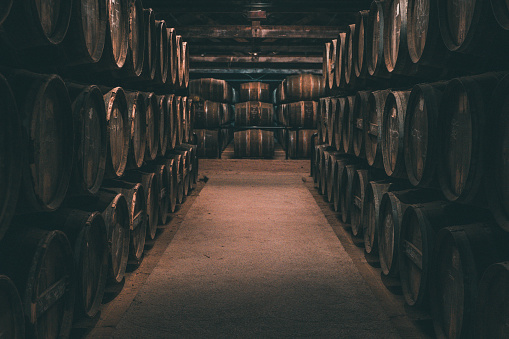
[137,125]
[324,106]
[331,122]
[373,128]
[360,65]
[190,152]
[348,57]
[371,208]
[325,157]
[421,144]
[254,113]
[360,184]
[393,133]
[172,57]
[317,162]
[185,119]
[85,38]
[172,182]
[47,128]
[136,43]
[182,121]
[148,72]
[172,109]
[500,10]
[40,263]
[340,104]
[345,188]
[338,178]
[177,122]
[116,217]
[329,175]
[152,122]
[347,124]
[254,143]
[463,117]
[180,70]
[303,114]
[300,143]
[491,318]
[304,87]
[90,139]
[12,152]
[470,27]
[397,57]
[326,65]
[254,91]
[359,119]
[332,71]
[208,114]
[5,10]
[152,187]
[392,207]
[163,177]
[226,112]
[11,314]
[164,123]
[162,50]
[425,45]
[117,37]
[178,171]
[461,255]
[118,132]
[184,171]
[185,65]
[209,143]
[419,226]
[339,70]
[36,23]
[375,38]
[86,232]
[136,204]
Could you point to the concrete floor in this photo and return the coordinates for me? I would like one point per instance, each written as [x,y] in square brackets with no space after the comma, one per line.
[255,257]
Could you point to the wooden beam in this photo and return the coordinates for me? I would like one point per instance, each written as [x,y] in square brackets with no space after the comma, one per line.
[261,32]
[256,59]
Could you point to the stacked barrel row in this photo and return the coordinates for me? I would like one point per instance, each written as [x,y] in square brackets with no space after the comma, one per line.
[110,41]
[212,104]
[254,110]
[90,173]
[297,109]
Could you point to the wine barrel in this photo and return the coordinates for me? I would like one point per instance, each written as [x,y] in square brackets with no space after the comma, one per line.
[345,189]
[185,65]
[339,69]
[116,45]
[5,10]
[226,112]
[300,143]
[303,114]
[375,38]
[40,263]
[500,10]
[392,207]
[152,187]
[148,72]
[421,144]
[12,152]
[326,65]
[85,38]
[116,217]
[177,122]
[324,106]
[393,133]
[136,43]
[461,255]
[172,57]
[397,57]
[331,121]
[341,105]
[178,171]
[191,161]
[137,125]
[36,23]
[319,149]
[347,125]
[211,89]
[324,170]
[254,143]
[209,144]
[497,140]
[463,118]
[425,45]
[341,163]
[11,314]
[184,171]
[180,70]
[185,119]
[359,120]
[172,182]
[360,184]
[164,123]
[254,91]
[491,318]
[350,79]
[86,232]
[329,174]
[304,87]
[371,208]
[135,197]
[281,93]
[172,109]
[163,177]
[471,28]
[373,128]
[419,227]
[254,113]
[90,139]
[162,50]
[118,132]
[360,65]
[332,71]
[208,114]
[47,127]
[152,122]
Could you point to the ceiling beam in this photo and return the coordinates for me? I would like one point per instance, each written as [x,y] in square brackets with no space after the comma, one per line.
[256,59]
[261,32]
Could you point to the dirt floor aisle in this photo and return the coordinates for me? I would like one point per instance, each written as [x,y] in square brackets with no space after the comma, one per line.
[255,257]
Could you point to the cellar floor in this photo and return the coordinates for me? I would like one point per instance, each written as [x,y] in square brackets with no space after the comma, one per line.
[256,253]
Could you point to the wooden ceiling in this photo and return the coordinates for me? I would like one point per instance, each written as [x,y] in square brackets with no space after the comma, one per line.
[256,40]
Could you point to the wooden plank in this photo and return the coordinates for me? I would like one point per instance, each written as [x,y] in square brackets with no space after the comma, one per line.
[258,32]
